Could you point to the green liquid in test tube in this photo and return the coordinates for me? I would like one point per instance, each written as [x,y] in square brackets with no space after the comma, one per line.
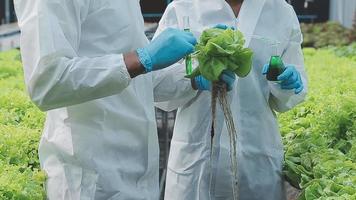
[188,59]
[276,66]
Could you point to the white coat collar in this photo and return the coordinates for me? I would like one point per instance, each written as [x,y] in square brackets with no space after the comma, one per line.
[248,17]
[212,12]
[208,13]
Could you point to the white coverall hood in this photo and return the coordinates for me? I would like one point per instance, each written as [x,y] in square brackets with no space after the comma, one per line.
[193,172]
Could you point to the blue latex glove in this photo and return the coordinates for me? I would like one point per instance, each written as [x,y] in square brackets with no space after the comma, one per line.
[227,77]
[290,78]
[168,48]
[223,26]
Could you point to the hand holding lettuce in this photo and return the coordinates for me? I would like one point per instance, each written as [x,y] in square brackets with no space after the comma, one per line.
[220,50]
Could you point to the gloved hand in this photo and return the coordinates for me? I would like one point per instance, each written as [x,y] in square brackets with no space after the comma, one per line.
[227,77]
[168,48]
[290,78]
[223,26]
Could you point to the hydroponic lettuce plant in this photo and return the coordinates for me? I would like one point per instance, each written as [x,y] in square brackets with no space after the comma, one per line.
[217,51]
[220,50]
[320,135]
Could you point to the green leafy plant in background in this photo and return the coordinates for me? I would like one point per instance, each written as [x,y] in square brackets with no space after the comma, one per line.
[345,51]
[220,50]
[327,34]
[21,183]
[320,135]
[21,124]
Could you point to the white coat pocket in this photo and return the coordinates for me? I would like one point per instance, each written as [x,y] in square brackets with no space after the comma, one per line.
[180,163]
[186,165]
[64,177]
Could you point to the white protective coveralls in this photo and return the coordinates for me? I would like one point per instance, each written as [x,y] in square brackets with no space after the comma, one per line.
[254,101]
[100,139]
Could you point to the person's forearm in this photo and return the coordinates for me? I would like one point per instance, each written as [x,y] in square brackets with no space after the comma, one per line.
[58,81]
[133,64]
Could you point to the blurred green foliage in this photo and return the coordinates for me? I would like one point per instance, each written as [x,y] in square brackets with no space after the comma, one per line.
[320,135]
[327,34]
[21,124]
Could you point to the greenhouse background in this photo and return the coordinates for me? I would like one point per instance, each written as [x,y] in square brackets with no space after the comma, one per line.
[336,43]
[309,11]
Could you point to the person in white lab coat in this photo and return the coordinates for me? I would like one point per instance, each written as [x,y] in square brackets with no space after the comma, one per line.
[270,27]
[88,63]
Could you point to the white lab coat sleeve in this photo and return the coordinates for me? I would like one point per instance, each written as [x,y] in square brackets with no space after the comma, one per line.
[56,76]
[284,100]
[171,89]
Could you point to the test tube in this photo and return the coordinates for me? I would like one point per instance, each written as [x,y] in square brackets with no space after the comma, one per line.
[188,58]
[186,23]
[276,65]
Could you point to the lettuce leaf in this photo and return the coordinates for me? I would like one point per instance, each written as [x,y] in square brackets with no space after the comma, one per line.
[220,50]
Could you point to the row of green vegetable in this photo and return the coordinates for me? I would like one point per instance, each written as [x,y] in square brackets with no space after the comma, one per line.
[20,129]
[320,135]
[328,34]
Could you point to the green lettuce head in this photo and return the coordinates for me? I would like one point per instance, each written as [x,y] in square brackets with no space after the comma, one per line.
[220,50]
